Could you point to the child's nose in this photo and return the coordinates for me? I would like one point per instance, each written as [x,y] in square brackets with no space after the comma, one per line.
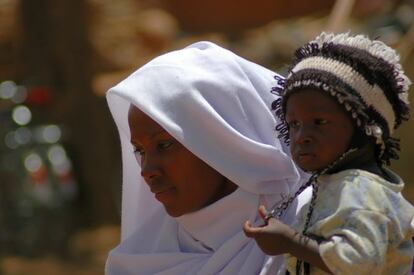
[304,135]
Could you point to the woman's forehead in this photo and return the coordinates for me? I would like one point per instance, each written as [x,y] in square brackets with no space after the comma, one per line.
[143,126]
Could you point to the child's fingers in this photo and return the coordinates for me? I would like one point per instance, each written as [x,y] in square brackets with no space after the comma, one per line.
[249,230]
[263,212]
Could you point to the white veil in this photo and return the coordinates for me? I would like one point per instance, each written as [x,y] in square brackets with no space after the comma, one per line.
[216,104]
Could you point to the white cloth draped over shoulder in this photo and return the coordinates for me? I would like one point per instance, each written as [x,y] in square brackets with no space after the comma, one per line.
[216,104]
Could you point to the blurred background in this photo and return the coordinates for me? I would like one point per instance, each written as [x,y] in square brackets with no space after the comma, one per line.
[60,170]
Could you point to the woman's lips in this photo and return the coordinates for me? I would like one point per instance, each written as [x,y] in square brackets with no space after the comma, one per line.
[164,194]
[159,187]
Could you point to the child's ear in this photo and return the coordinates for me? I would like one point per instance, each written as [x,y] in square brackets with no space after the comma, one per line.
[359,139]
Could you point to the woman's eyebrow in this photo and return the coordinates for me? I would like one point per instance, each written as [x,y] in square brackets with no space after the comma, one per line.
[153,135]
[134,143]
[159,133]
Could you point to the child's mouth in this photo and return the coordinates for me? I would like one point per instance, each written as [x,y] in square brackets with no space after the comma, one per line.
[305,157]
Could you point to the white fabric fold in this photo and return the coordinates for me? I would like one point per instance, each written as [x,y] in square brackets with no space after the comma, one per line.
[216,104]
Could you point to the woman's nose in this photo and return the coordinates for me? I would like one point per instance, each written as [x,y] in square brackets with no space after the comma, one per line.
[150,168]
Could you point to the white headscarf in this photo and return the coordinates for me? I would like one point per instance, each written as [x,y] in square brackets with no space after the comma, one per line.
[216,104]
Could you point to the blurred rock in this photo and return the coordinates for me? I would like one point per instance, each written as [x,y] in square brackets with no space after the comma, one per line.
[237,15]
[156,29]
[127,35]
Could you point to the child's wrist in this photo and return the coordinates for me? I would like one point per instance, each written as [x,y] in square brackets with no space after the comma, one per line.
[298,241]
[291,239]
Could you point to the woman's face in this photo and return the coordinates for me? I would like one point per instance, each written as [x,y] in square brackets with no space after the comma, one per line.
[182,182]
[320,131]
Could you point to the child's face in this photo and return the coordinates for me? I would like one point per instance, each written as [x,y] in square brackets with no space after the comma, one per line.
[320,131]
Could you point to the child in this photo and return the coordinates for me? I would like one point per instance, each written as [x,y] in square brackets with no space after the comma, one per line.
[339,105]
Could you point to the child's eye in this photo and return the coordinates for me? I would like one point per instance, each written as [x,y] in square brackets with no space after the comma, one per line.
[293,124]
[320,121]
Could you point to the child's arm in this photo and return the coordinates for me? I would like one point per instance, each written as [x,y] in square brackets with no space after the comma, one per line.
[276,238]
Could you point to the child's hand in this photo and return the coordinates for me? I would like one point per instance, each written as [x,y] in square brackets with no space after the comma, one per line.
[274,237]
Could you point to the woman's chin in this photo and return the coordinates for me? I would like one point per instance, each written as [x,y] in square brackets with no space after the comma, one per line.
[174,214]
[173,211]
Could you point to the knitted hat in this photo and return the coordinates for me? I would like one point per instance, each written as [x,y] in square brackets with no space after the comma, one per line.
[363,75]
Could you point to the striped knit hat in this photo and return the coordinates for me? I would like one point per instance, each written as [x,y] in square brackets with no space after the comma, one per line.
[363,75]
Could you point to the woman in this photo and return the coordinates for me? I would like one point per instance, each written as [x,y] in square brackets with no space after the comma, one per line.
[199,156]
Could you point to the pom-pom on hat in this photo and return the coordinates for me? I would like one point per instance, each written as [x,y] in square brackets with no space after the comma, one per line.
[363,75]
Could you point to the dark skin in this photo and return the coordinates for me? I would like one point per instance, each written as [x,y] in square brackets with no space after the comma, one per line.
[320,131]
[287,239]
[179,180]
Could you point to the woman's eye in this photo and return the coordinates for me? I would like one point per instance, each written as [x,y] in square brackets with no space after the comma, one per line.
[164,145]
[320,121]
[138,150]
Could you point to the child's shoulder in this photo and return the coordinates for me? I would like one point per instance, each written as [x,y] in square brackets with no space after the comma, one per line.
[364,180]
[359,189]
[361,194]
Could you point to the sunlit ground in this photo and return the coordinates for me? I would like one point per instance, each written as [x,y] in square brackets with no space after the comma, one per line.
[87,254]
